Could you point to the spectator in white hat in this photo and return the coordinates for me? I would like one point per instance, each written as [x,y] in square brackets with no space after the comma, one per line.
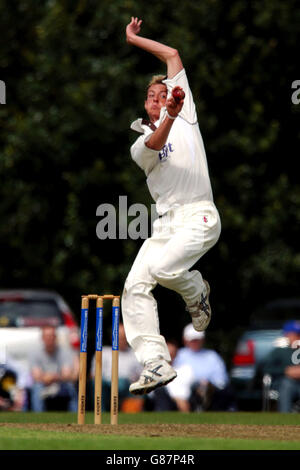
[210,388]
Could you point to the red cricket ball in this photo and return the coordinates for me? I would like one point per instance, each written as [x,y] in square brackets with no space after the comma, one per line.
[178,94]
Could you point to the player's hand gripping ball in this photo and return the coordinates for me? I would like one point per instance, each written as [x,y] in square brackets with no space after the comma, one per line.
[178,94]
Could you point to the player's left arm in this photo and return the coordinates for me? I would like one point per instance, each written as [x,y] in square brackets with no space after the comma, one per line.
[166,54]
[159,137]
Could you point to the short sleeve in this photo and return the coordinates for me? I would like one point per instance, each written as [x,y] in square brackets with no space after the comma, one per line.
[66,358]
[34,360]
[218,371]
[188,112]
[144,157]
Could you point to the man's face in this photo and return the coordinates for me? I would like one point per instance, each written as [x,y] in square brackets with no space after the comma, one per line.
[49,338]
[195,344]
[156,99]
[292,337]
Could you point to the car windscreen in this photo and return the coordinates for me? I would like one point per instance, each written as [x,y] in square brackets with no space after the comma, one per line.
[29,312]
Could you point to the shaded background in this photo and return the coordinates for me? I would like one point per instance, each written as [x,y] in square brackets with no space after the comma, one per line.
[73,87]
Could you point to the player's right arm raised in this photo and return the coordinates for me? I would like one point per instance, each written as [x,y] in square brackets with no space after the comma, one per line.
[166,54]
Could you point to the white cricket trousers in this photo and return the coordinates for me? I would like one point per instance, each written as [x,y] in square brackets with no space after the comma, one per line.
[179,239]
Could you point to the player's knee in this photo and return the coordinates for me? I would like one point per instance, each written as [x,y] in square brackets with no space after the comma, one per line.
[135,287]
[162,276]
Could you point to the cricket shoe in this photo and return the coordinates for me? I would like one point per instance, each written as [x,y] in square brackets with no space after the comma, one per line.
[201,311]
[156,373]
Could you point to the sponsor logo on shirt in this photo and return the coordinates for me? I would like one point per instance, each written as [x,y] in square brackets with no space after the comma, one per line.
[165,152]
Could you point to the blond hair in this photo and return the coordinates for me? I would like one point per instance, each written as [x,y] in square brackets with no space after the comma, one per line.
[156,80]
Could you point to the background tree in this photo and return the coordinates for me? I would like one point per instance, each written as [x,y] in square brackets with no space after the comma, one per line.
[73,87]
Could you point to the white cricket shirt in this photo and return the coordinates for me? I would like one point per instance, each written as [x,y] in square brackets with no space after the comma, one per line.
[177,174]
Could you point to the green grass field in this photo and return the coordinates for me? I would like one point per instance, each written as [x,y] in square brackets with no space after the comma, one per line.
[19,434]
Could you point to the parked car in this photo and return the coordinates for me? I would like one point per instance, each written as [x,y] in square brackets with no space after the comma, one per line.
[23,313]
[263,334]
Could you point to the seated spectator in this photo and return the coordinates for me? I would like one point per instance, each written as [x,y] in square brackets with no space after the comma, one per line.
[129,370]
[210,389]
[201,382]
[283,365]
[14,382]
[54,371]
[8,381]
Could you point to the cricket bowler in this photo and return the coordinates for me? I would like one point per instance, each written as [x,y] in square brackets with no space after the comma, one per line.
[170,151]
